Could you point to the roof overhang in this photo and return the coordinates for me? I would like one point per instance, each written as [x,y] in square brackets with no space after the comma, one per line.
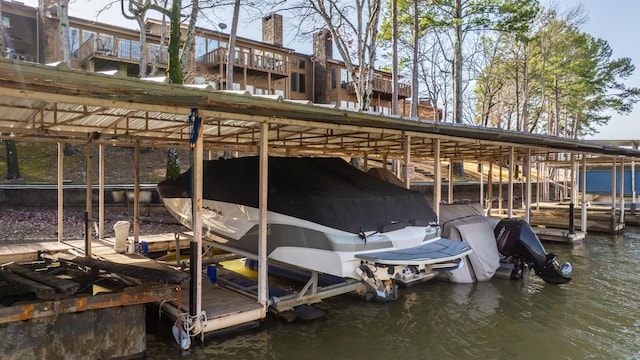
[44,103]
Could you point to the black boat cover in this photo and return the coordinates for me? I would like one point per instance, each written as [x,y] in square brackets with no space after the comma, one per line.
[326,191]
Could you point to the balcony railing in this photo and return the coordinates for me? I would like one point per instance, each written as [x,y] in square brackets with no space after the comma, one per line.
[382,85]
[119,49]
[250,61]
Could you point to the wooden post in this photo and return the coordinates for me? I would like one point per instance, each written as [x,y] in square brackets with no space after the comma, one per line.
[583,222]
[195,294]
[450,197]
[633,186]
[510,189]
[101,192]
[437,183]
[572,195]
[527,203]
[88,197]
[621,191]
[263,290]
[500,190]
[407,160]
[481,184]
[490,189]
[634,146]
[136,191]
[60,191]
[613,195]
[538,184]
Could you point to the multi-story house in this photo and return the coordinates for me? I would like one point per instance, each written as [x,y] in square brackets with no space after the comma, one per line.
[259,67]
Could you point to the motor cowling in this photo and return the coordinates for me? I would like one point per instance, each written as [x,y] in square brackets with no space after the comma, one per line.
[515,238]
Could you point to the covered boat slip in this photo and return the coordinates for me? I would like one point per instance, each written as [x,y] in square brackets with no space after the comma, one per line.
[55,104]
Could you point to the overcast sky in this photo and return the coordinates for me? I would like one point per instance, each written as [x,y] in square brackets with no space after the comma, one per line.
[613,20]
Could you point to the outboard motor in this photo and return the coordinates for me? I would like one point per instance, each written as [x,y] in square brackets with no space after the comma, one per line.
[516,239]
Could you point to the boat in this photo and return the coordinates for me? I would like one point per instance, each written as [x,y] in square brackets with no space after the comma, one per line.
[502,248]
[323,215]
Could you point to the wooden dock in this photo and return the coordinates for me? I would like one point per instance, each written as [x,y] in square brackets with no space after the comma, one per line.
[559,235]
[599,220]
[224,308]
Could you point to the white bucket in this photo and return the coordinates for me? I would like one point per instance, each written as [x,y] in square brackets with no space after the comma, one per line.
[121,229]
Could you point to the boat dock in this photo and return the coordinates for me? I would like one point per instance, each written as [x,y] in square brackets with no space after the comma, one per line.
[48,284]
[59,105]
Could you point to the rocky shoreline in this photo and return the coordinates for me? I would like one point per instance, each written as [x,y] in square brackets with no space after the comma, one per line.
[28,225]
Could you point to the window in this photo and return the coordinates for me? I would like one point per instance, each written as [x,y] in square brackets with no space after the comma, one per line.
[344,76]
[334,78]
[280,92]
[301,64]
[135,50]
[301,84]
[298,82]
[86,35]
[249,88]
[74,42]
[200,48]
[212,45]
[257,58]
[245,57]
[124,49]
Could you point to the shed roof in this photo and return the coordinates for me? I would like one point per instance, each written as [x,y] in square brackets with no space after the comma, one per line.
[45,103]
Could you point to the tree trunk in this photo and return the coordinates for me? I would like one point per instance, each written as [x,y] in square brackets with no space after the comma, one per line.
[176,76]
[2,47]
[175,66]
[232,46]
[63,14]
[173,163]
[556,90]
[13,168]
[187,49]
[394,65]
[414,78]
[143,47]
[457,64]
[158,57]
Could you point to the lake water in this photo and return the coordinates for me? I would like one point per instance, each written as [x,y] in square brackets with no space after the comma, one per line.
[594,316]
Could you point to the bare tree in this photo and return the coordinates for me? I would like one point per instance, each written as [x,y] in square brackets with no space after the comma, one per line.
[232,44]
[353,25]
[63,17]
[138,11]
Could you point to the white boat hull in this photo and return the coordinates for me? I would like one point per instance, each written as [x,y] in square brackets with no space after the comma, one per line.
[315,247]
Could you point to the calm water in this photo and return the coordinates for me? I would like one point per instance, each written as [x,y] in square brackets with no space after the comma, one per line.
[594,316]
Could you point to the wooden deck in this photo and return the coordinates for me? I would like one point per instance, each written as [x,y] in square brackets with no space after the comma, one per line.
[559,235]
[225,308]
[599,220]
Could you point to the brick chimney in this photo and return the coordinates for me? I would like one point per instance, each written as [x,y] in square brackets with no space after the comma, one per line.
[322,51]
[272,29]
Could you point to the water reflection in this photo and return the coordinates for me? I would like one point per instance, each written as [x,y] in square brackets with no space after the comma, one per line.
[594,316]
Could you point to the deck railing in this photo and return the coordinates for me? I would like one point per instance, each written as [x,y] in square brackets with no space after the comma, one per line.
[250,61]
[118,48]
[382,85]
